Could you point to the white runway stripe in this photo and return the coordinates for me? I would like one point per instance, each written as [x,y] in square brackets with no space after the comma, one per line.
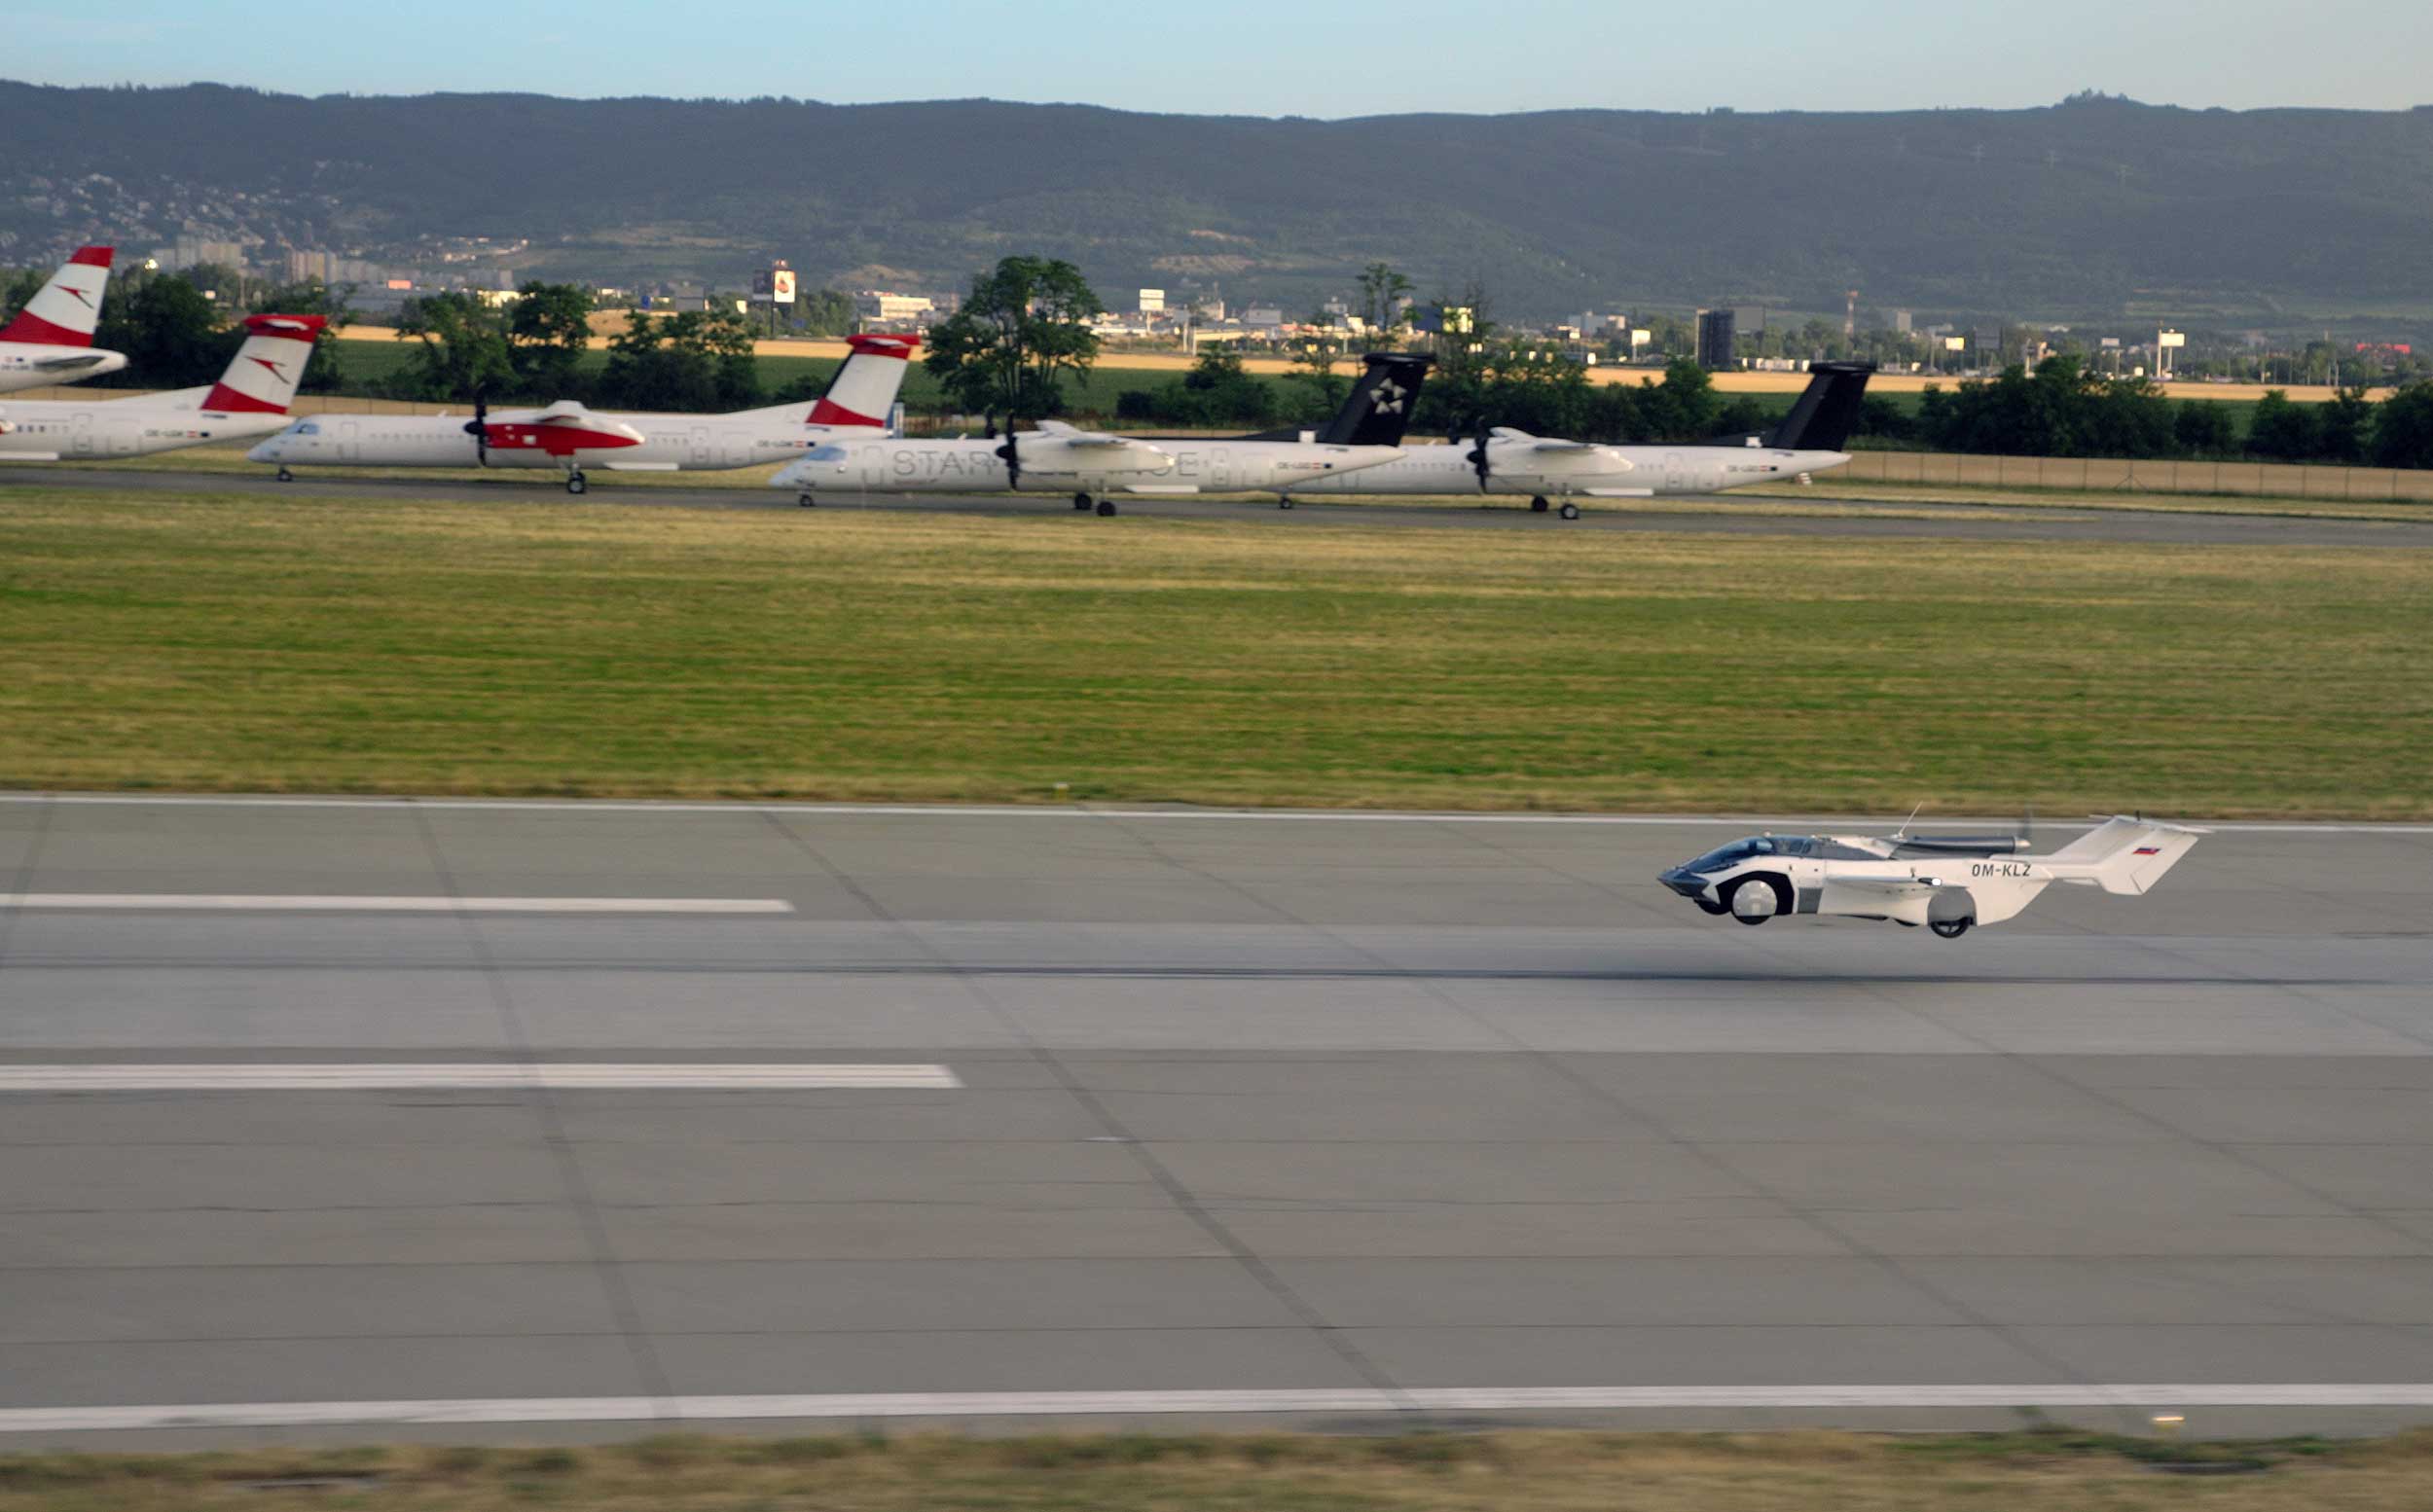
[1084,1404]
[1070,812]
[356,1076]
[346,903]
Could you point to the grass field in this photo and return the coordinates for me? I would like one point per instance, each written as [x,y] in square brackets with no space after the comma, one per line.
[2051,1471]
[538,647]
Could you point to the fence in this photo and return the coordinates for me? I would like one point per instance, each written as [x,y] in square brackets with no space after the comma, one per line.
[2118,475]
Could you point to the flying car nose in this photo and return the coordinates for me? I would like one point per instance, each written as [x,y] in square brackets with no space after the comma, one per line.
[1684,880]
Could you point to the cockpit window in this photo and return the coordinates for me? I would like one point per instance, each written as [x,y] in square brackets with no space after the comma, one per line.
[306,428]
[1725,857]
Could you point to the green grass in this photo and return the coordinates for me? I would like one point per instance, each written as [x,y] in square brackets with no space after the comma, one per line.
[544,647]
[2030,1471]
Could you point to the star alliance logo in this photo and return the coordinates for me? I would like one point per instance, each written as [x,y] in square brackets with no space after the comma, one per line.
[1388,397]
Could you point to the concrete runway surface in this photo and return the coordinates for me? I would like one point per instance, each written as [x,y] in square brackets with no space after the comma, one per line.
[1943,521]
[850,1115]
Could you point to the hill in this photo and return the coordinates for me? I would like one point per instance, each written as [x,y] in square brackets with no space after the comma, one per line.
[2093,207]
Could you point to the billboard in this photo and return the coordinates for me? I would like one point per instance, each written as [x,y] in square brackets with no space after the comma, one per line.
[774,285]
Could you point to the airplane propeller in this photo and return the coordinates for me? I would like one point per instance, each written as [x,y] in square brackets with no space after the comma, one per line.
[478,429]
[1013,454]
[1478,462]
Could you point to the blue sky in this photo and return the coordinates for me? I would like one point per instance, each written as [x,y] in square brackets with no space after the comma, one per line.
[1314,57]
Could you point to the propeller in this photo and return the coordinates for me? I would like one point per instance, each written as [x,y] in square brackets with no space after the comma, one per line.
[1012,455]
[478,429]
[1478,462]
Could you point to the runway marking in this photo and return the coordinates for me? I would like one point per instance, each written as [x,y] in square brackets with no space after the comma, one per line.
[1023,1404]
[1067,812]
[404,1075]
[346,903]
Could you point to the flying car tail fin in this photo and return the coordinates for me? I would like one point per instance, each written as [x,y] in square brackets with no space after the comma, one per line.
[2123,854]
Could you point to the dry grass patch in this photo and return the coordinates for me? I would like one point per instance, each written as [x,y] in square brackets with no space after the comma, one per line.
[1561,1473]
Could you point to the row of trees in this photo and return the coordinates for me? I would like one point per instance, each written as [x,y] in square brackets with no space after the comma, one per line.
[533,347]
[2064,410]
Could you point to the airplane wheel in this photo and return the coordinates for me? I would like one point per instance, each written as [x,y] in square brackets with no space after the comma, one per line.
[1285,502]
[284,476]
[806,501]
[1081,501]
[1950,928]
[1538,506]
[1776,894]
[576,483]
[1105,508]
[1570,512]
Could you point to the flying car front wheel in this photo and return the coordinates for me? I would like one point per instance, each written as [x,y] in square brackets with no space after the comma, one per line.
[1950,928]
[1753,900]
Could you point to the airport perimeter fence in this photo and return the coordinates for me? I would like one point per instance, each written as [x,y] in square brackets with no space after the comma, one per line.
[2122,475]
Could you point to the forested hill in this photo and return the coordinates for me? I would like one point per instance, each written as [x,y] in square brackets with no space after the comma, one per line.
[2091,206]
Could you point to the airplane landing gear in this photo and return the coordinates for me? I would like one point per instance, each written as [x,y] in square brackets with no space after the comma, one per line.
[804,500]
[1539,505]
[1950,929]
[1081,501]
[284,476]
[1568,510]
[576,483]
[1105,509]
[1284,501]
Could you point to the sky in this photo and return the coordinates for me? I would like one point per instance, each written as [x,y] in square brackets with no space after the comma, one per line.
[1273,57]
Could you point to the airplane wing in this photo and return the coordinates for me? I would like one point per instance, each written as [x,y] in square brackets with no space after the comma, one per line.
[1891,887]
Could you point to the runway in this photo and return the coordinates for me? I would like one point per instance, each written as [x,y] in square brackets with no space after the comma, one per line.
[1940,521]
[987,1116]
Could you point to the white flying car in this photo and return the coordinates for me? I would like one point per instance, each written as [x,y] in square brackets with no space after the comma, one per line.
[1948,882]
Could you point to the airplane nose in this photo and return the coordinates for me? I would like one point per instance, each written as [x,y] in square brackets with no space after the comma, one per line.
[266,451]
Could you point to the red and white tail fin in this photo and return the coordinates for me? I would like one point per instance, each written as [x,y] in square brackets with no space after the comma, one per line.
[263,378]
[864,388]
[64,311]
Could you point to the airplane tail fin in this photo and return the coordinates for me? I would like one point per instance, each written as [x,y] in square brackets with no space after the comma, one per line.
[263,378]
[2123,854]
[64,311]
[1827,411]
[864,389]
[1378,410]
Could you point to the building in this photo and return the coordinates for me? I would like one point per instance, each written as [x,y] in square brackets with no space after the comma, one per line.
[1715,339]
[873,304]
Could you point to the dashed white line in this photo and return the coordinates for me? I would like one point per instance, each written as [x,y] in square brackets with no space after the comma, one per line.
[1093,1404]
[366,903]
[356,1076]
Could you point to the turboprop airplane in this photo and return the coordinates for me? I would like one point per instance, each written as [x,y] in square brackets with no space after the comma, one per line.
[570,437]
[50,340]
[1058,458]
[1507,461]
[1950,884]
[250,399]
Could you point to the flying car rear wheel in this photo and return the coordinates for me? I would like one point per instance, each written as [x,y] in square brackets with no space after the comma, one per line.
[1539,505]
[284,476]
[1753,900]
[1570,512]
[1105,508]
[576,483]
[1950,928]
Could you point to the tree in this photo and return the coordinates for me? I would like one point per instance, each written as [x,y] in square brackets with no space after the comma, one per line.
[2280,429]
[19,289]
[1320,387]
[2202,428]
[826,312]
[547,330]
[1025,323]
[1216,391]
[1381,288]
[170,333]
[2342,424]
[2403,429]
[695,362]
[464,351]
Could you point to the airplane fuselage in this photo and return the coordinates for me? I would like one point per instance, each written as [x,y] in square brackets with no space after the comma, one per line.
[1518,468]
[49,430]
[670,443]
[973,466]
